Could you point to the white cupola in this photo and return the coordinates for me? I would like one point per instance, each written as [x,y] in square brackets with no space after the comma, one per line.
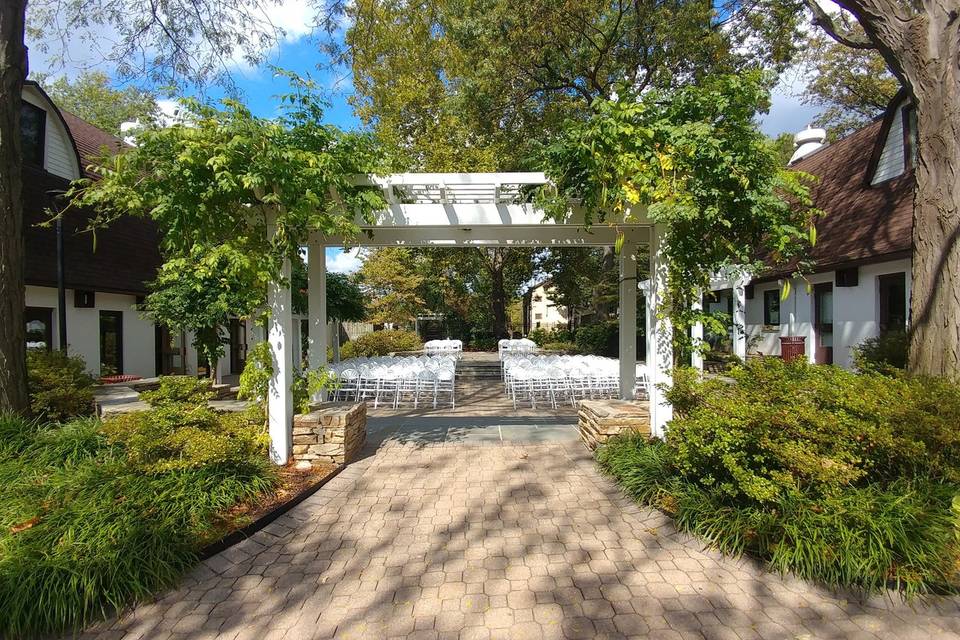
[806,142]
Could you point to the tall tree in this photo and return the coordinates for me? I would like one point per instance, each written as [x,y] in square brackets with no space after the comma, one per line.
[920,42]
[450,82]
[92,97]
[173,43]
[13,70]
[853,86]
[392,282]
[584,279]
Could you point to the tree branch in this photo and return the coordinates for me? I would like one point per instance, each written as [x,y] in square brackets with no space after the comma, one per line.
[823,20]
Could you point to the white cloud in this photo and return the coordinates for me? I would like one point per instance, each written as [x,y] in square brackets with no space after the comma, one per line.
[340,261]
[71,52]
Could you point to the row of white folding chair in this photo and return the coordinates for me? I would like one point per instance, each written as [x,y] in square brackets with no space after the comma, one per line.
[376,382]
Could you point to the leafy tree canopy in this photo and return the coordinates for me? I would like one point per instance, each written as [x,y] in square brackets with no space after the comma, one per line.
[392,282]
[853,86]
[452,85]
[200,289]
[345,300]
[224,175]
[92,97]
[695,160]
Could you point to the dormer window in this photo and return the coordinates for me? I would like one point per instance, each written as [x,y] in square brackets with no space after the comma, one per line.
[33,122]
[909,117]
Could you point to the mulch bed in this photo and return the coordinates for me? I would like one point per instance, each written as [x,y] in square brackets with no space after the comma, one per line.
[296,485]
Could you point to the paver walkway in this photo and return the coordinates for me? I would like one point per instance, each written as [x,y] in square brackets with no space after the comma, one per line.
[496,540]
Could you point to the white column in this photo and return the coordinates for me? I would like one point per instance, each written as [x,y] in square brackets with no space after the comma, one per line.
[317,304]
[659,338]
[628,319]
[696,336]
[739,293]
[280,399]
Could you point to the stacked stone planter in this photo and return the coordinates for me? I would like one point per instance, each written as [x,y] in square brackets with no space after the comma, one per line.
[599,420]
[333,433]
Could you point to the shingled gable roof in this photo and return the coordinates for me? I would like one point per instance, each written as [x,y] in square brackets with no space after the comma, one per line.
[91,142]
[127,253]
[863,223]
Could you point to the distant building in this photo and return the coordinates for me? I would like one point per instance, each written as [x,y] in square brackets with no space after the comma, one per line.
[540,311]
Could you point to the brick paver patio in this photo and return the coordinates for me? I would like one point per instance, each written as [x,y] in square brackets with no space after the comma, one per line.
[497,540]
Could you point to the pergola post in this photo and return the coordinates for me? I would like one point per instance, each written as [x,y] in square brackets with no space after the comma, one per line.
[316,304]
[659,338]
[696,336]
[628,318]
[739,329]
[280,398]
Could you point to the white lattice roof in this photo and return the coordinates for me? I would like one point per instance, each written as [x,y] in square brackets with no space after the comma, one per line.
[457,188]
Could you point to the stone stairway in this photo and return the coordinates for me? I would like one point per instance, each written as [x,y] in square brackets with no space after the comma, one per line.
[470,369]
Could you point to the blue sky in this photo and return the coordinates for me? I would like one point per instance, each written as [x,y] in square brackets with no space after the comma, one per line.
[298,52]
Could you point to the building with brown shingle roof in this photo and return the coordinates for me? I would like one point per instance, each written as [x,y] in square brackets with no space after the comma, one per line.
[860,285]
[103,277]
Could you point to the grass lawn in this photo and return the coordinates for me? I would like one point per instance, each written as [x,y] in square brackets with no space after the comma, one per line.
[95,516]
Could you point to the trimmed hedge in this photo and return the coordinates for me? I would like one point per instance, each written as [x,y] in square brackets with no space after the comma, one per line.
[59,385]
[852,480]
[381,343]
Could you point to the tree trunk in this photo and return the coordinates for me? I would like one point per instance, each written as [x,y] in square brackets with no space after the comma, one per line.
[935,288]
[931,71]
[498,296]
[13,71]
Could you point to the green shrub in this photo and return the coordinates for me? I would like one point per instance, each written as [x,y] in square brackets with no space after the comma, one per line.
[256,374]
[884,353]
[795,427]
[84,529]
[175,390]
[545,336]
[59,385]
[381,343]
[483,344]
[844,478]
[566,347]
[601,339]
[902,533]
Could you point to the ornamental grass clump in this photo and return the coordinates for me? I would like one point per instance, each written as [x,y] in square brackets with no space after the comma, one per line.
[95,516]
[846,479]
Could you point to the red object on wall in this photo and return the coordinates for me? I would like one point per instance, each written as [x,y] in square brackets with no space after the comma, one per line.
[793,347]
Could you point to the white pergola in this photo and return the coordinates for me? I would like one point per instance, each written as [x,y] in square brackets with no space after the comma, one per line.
[472,209]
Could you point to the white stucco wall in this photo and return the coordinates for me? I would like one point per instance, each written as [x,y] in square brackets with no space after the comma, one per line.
[83,329]
[855,312]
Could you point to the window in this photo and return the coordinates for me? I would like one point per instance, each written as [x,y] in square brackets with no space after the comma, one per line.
[111,343]
[771,307]
[892,309]
[909,119]
[39,327]
[538,316]
[33,121]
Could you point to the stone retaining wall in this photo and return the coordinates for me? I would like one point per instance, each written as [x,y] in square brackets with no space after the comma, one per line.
[333,433]
[601,419]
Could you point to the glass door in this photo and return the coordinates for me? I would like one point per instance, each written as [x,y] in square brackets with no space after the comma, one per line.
[172,352]
[111,343]
[238,345]
[823,322]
